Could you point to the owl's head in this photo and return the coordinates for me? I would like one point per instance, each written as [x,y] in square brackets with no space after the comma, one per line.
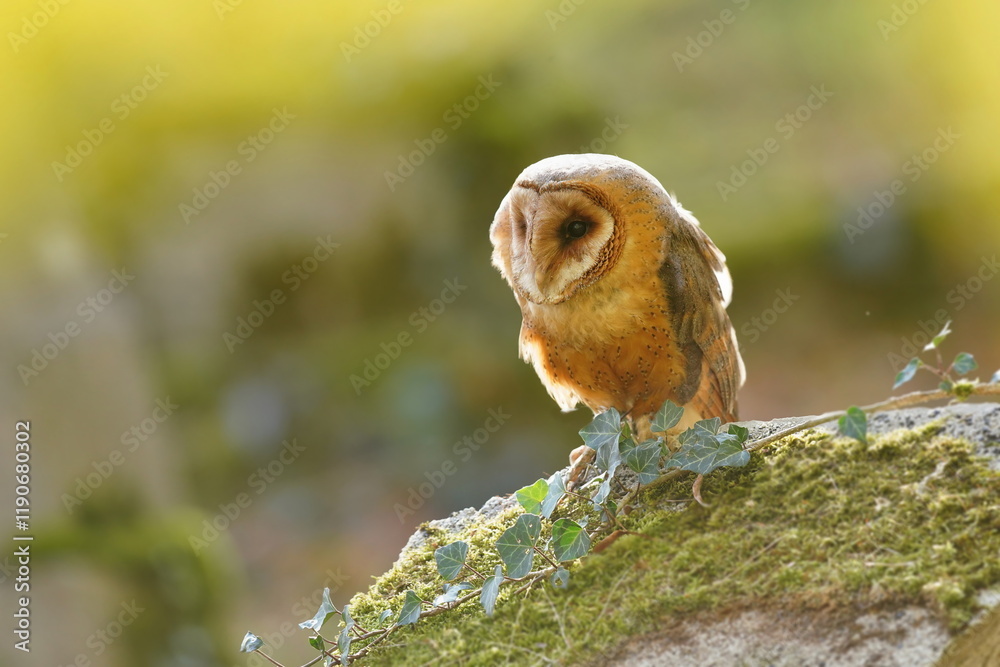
[562,226]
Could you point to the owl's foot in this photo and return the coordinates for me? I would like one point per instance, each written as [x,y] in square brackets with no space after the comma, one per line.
[579,461]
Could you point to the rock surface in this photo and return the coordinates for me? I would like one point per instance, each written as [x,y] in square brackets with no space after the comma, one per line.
[894,634]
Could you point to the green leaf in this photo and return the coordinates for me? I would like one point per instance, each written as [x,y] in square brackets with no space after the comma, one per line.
[451,592]
[937,340]
[730,452]
[996,377]
[946,385]
[323,614]
[603,430]
[702,451]
[516,545]
[602,492]
[346,615]
[667,417]
[317,643]
[251,643]
[854,424]
[557,489]
[907,373]
[569,540]
[964,363]
[451,559]
[609,457]
[560,578]
[386,613]
[344,643]
[742,433]
[410,612]
[645,459]
[610,509]
[531,497]
[491,589]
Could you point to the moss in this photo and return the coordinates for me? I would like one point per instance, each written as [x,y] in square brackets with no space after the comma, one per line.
[815,521]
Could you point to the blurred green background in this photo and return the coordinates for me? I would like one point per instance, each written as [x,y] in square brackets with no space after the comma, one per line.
[201,149]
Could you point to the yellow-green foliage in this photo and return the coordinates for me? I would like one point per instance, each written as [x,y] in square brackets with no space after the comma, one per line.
[815,520]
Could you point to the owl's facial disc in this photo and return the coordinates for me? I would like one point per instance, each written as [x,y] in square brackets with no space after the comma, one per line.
[561,241]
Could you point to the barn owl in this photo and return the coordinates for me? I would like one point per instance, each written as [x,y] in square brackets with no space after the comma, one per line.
[623,296]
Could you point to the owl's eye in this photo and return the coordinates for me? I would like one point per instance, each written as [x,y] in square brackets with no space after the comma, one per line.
[576,229]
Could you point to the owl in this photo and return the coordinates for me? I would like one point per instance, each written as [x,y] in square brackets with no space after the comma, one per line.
[623,296]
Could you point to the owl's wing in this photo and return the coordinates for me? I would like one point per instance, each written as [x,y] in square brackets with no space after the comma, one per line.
[698,288]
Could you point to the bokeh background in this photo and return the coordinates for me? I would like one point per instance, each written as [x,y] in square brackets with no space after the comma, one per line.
[276,124]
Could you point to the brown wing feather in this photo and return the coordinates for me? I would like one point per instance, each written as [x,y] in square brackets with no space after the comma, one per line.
[691,275]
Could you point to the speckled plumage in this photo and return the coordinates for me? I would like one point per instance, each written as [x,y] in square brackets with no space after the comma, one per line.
[632,312]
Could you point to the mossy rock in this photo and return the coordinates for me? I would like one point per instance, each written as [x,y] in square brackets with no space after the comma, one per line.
[823,550]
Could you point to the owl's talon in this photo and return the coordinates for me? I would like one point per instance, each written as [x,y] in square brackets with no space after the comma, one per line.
[579,461]
[696,490]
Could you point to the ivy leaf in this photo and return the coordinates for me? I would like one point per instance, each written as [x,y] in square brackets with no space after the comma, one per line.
[323,614]
[908,372]
[386,613]
[516,545]
[644,459]
[560,578]
[964,363]
[667,417]
[531,497]
[569,540]
[854,424]
[451,559]
[346,615]
[741,432]
[609,457]
[610,509]
[251,643]
[317,643]
[491,589]
[937,340]
[703,449]
[729,452]
[996,377]
[602,492]
[946,385]
[410,612]
[344,643]
[451,592]
[557,489]
[603,430]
